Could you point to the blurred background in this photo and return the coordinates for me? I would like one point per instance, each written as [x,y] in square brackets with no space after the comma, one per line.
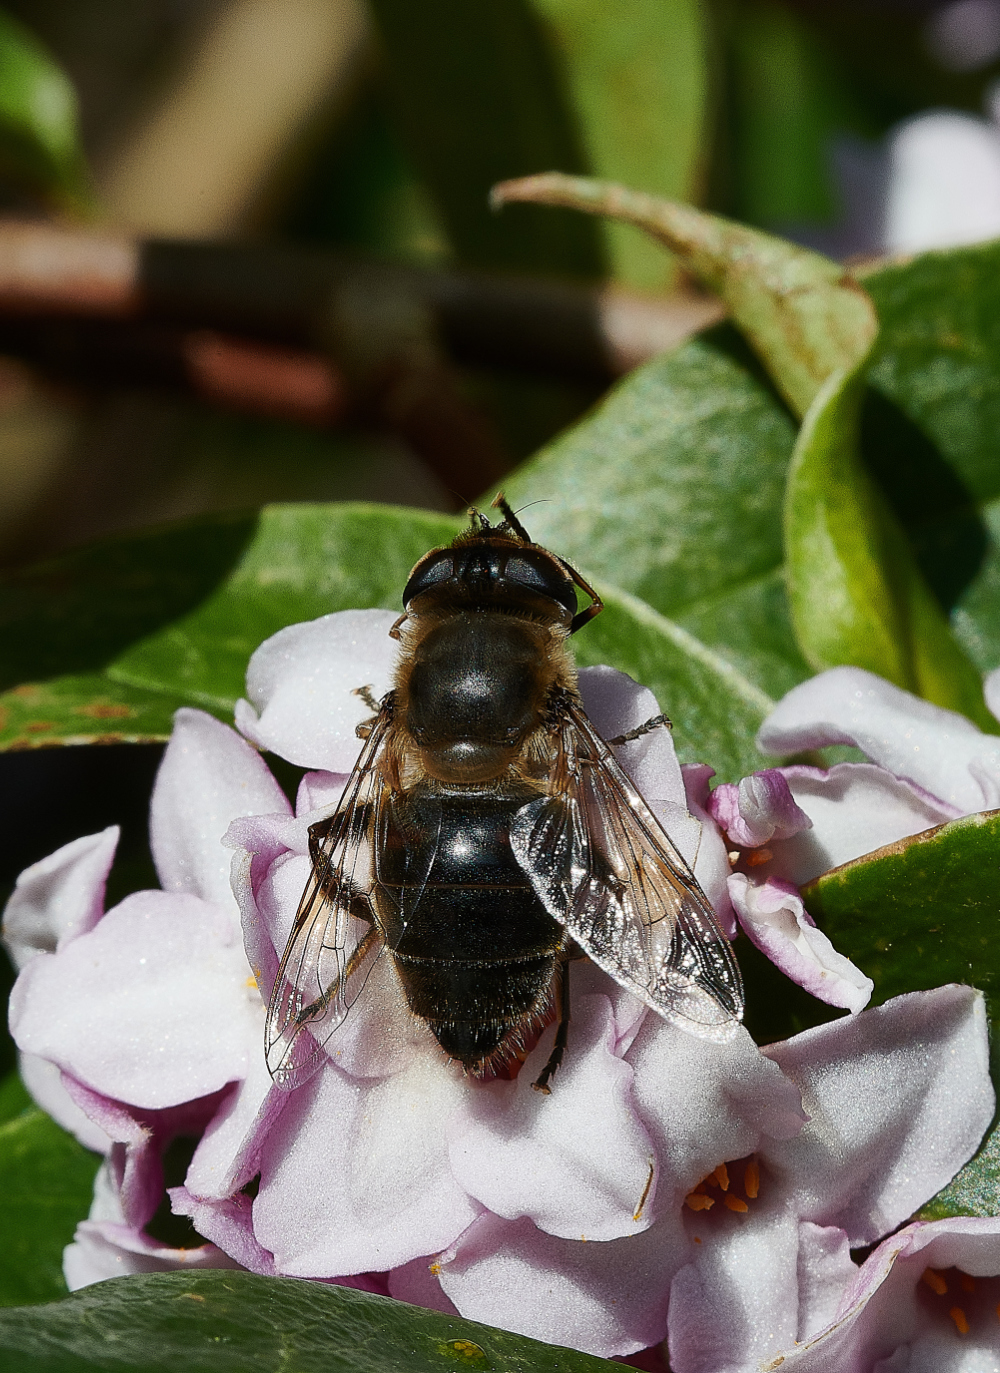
[246,253]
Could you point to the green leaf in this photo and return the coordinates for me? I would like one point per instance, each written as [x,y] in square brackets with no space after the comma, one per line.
[40,148]
[917,914]
[857,595]
[47,1181]
[804,316]
[226,1322]
[672,489]
[300,561]
[507,87]
[936,383]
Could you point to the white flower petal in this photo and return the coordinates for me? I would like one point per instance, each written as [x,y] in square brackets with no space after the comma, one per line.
[354,1175]
[898,1099]
[301,684]
[774,918]
[855,808]
[579,1163]
[940,750]
[152,1007]
[209,776]
[59,897]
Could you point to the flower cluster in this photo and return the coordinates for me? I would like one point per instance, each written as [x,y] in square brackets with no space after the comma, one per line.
[668,1183]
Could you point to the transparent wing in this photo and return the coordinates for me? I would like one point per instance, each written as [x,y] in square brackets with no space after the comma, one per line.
[331,951]
[604,868]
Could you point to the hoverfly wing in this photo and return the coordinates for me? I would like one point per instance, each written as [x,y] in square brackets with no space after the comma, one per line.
[604,868]
[330,952]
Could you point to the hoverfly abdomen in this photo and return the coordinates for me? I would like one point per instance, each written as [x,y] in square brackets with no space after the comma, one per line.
[472,943]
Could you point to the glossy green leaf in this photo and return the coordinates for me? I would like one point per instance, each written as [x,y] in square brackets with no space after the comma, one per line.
[920,912]
[856,593]
[46,1179]
[672,489]
[935,384]
[508,87]
[40,147]
[224,1322]
[299,562]
[917,914]
[805,317]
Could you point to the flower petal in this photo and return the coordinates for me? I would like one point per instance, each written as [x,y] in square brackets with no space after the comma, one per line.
[151,1007]
[354,1176]
[733,1307]
[208,777]
[301,684]
[616,704]
[606,1299]
[59,897]
[760,808]
[579,1163]
[855,808]
[898,1098]
[775,920]
[939,750]
[681,1082]
[711,866]
[228,1223]
[45,1083]
[888,1318]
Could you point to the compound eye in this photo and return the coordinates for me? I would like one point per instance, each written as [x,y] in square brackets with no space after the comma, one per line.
[429,572]
[547,579]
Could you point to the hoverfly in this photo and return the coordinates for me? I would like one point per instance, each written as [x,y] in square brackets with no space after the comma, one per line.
[487,836]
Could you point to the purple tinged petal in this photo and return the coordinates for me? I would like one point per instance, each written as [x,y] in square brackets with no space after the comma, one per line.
[354,1176]
[417,1282]
[134,1167]
[898,1099]
[101,1250]
[855,808]
[940,750]
[681,1082]
[228,1223]
[44,1081]
[578,1163]
[889,1321]
[59,898]
[775,920]
[760,809]
[711,867]
[606,1299]
[301,684]
[208,777]
[320,791]
[171,967]
[228,1153]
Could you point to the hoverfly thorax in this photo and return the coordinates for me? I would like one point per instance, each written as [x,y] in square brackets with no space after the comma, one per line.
[486,623]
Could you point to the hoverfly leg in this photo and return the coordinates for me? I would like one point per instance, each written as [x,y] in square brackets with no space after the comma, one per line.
[541,1083]
[640,730]
[365,692]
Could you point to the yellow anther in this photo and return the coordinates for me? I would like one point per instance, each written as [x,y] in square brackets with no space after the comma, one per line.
[935,1281]
[699,1202]
[721,1176]
[751,1180]
[735,1204]
[958,1316]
